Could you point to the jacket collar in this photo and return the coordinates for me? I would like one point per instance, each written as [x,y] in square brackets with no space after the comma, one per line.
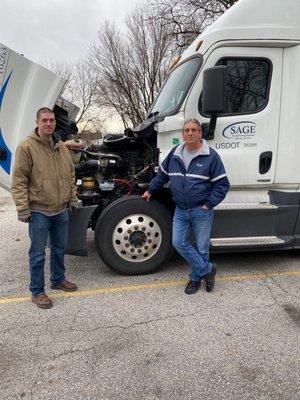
[204,150]
[56,140]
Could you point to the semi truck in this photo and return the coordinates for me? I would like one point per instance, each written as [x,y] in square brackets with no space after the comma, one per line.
[241,79]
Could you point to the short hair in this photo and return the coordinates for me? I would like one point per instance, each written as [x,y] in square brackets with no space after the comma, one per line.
[194,121]
[43,110]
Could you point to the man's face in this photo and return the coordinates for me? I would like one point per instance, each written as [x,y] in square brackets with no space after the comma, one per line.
[46,124]
[191,133]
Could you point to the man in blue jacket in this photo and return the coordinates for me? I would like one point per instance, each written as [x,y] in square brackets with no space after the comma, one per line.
[198,183]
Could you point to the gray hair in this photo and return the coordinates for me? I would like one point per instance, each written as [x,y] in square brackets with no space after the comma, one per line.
[194,121]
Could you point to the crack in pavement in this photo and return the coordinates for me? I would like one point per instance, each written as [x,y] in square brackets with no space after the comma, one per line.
[73,351]
[123,329]
[277,285]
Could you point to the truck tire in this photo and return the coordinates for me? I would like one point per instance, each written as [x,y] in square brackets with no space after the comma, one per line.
[134,236]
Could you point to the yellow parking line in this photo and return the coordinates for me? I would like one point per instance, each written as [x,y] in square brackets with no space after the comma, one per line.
[152,285]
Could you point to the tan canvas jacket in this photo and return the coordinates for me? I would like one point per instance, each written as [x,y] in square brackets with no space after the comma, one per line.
[43,177]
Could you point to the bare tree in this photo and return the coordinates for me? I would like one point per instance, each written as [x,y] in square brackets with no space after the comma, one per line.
[131,66]
[85,94]
[80,89]
[186,19]
[65,70]
[125,69]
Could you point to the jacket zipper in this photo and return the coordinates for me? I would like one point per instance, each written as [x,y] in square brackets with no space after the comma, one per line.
[57,176]
[184,178]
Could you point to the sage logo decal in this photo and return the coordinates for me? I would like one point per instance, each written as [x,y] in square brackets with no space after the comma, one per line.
[5,160]
[240,130]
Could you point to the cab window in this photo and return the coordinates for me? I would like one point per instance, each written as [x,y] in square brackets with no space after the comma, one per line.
[247,86]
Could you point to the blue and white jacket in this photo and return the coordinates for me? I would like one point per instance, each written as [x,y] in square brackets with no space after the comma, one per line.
[203,183]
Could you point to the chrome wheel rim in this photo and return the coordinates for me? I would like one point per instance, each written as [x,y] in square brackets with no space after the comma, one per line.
[137,238]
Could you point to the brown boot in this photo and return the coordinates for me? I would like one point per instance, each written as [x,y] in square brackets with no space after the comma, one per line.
[42,301]
[64,285]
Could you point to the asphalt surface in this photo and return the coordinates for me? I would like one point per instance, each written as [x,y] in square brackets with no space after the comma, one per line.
[142,337]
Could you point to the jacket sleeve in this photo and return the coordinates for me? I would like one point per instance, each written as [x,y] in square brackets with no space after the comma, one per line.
[219,183]
[162,176]
[20,178]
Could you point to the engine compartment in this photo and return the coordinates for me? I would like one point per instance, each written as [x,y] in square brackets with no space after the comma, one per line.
[122,165]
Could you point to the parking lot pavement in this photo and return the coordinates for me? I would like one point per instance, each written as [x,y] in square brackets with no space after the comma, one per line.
[141,337]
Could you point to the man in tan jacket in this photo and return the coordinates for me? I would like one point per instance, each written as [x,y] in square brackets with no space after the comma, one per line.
[43,189]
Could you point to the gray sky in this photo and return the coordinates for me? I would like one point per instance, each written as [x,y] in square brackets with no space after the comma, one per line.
[45,30]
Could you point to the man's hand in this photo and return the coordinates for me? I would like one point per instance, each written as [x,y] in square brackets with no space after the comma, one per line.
[147,196]
[73,145]
[72,206]
[205,207]
[24,216]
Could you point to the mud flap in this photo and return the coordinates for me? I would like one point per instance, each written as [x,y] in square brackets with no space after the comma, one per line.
[78,224]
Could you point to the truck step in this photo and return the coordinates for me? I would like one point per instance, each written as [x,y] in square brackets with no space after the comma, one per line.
[246,206]
[247,241]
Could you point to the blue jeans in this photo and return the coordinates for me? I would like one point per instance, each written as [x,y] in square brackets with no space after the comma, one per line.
[40,226]
[199,221]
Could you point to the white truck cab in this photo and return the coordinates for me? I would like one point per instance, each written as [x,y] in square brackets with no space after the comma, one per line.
[257,134]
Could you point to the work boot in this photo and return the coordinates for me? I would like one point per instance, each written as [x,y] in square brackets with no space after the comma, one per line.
[210,278]
[42,301]
[192,287]
[64,285]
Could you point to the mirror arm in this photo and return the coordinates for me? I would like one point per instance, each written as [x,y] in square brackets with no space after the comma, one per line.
[208,130]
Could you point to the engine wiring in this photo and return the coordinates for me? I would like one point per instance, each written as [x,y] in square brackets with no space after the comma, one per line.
[129,184]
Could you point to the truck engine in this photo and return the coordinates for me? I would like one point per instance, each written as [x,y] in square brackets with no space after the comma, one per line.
[121,165]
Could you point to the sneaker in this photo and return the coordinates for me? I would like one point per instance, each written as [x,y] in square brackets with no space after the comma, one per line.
[42,301]
[192,287]
[64,285]
[210,278]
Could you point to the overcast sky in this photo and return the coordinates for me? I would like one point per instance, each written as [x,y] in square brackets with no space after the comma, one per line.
[44,30]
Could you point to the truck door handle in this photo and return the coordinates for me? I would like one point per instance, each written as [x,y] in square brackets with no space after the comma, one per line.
[265,161]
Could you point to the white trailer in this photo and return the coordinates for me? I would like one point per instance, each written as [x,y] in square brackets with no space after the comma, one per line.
[241,79]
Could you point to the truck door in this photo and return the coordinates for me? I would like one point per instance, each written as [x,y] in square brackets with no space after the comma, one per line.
[246,135]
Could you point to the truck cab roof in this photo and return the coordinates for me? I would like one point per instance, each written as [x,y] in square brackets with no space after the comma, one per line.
[275,21]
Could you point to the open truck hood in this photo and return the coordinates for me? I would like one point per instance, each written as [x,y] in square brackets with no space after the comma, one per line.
[24,88]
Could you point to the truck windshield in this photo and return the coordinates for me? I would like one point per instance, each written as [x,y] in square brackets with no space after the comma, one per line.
[176,87]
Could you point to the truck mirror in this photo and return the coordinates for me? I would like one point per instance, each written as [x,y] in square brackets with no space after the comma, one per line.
[214,90]
[213,97]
